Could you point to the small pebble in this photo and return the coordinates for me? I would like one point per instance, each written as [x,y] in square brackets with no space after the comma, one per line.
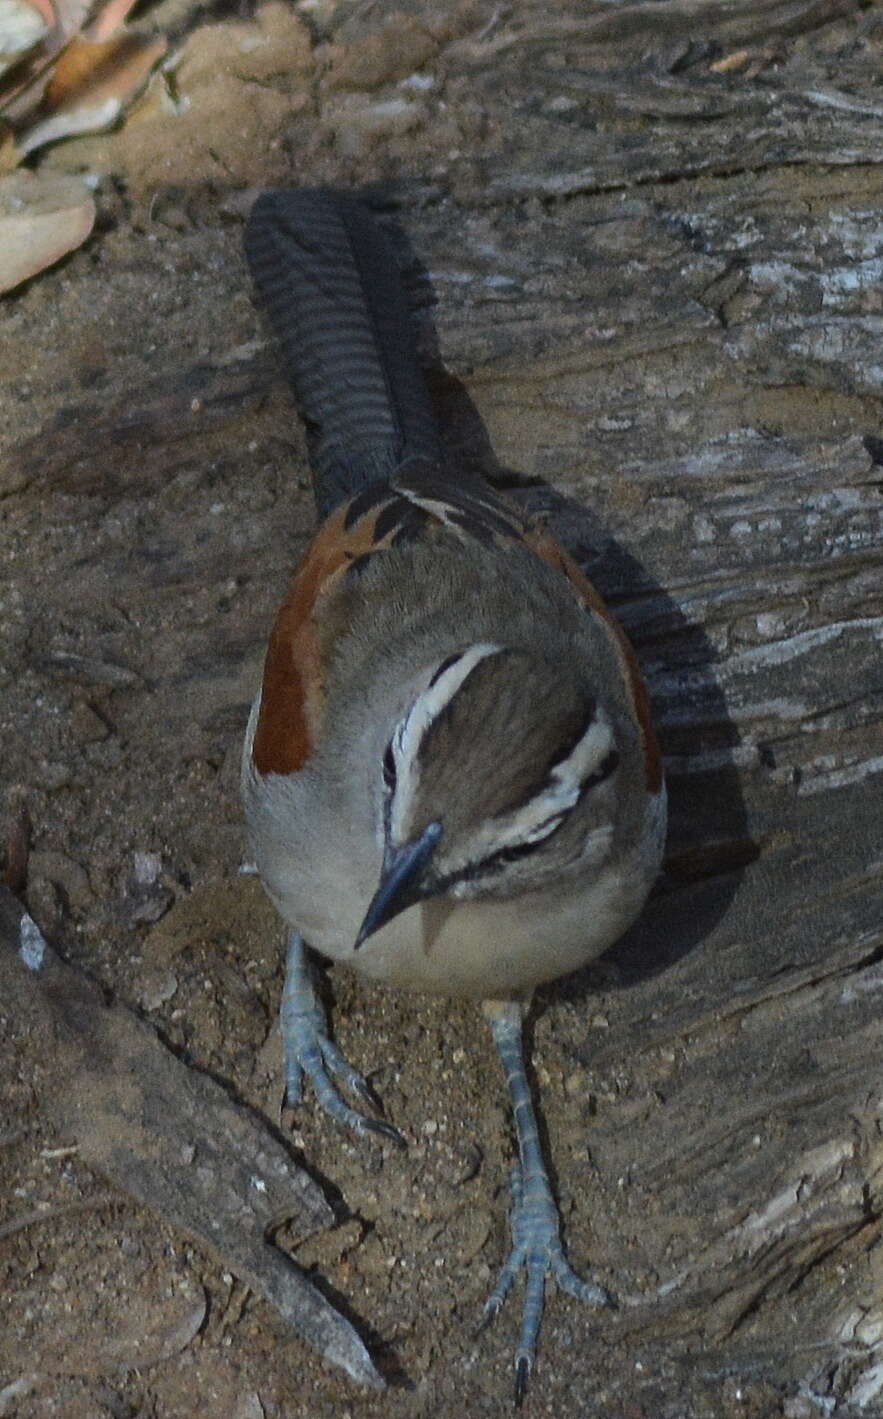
[148,866]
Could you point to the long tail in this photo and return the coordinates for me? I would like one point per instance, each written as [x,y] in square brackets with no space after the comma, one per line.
[331,286]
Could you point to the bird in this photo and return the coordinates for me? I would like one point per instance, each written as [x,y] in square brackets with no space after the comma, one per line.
[450,777]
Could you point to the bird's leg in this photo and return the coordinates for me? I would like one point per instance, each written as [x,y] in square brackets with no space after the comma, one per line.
[307,1049]
[536,1243]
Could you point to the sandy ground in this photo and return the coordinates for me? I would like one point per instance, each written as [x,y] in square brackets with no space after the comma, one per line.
[156,499]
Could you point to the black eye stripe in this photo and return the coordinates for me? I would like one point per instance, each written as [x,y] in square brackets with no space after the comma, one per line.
[607,766]
[543,781]
[519,850]
[389,767]
[496,861]
[567,748]
[445,665]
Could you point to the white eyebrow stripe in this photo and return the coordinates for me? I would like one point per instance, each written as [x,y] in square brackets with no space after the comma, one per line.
[542,814]
[546,828]
[428,705]
[587,755]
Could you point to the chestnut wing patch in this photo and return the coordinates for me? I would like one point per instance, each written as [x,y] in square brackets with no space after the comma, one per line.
[420,501]
[293,688]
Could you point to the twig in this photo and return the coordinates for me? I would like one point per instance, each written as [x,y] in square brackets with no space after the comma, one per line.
[39,1214]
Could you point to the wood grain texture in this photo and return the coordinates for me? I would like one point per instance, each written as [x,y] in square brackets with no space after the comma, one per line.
[169,1137]
[652,309]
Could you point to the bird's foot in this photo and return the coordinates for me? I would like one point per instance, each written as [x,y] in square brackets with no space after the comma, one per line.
[536,1246]
[308,1051]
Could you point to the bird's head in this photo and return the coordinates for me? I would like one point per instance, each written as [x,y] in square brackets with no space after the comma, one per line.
[495,780]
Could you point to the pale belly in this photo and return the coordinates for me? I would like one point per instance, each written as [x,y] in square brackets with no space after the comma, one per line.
[497,949]
[486,949]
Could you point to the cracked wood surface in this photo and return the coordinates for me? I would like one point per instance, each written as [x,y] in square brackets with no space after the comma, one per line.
[656,292]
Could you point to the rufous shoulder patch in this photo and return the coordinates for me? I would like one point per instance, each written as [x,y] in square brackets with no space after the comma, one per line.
[293,688]
[292,684]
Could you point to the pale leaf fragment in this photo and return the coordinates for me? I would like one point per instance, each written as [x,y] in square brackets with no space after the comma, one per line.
[22,25]
[41,219]
[92,83]
[70,16]
[109,19]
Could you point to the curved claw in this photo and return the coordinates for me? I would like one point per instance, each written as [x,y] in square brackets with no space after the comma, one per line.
[386,1130]
[308,1051]
[536,1243]
[536,1246]
[574,1285]
[336,1063]
[522,1374]
[359,1085]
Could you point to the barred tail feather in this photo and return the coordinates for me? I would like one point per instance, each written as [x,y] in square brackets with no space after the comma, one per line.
[331,288]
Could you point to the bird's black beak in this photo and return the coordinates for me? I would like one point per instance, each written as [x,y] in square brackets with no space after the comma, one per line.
[401,882]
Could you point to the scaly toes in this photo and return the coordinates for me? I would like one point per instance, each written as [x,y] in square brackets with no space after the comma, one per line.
[310,1053]
[538,1251]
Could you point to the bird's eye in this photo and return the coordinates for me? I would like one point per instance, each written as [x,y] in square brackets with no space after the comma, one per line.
[389,768]
[514,853]
[445,665]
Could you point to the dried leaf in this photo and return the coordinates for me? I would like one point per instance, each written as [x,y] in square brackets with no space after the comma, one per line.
[70,16]
[41,219]
[50,25]
[59,20]
[22,25]
[91,84]
[47,10]
[90,69]
[135,1345]
[110,19]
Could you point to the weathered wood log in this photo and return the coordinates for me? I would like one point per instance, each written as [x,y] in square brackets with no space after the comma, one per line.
[167,1136]
[655,291]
